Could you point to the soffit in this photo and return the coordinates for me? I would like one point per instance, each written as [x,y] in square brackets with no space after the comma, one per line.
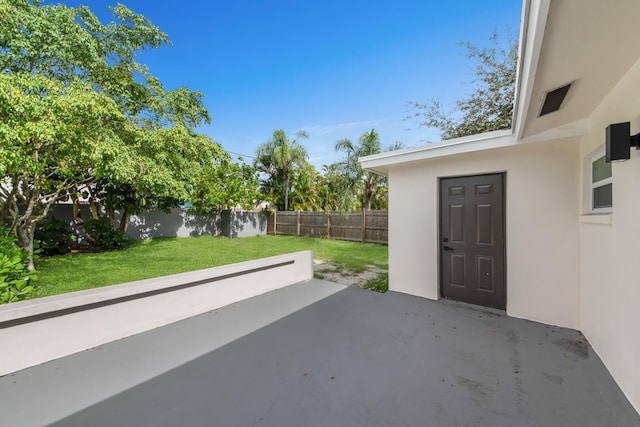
[589,42]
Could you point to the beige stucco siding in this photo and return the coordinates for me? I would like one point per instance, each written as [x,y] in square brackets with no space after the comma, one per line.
[610,256]
[542,239]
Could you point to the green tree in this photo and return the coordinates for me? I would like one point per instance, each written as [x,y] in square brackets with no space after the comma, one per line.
[360,186]
[278,158]
[489,107]
[271,190]
[305,193]
[78,113]
[48,145]
[331,184]
[167,167]
[226,184]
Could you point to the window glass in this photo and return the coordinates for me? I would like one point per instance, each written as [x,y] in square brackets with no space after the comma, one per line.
[600,170]
[603,197]
[601,181]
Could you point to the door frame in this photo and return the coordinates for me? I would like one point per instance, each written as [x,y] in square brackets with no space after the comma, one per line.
[503,175]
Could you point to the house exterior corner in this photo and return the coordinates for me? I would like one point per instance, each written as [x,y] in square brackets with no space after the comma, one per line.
[609,250]
[571,220]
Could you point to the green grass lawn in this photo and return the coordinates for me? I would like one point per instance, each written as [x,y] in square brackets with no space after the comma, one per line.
[160,257]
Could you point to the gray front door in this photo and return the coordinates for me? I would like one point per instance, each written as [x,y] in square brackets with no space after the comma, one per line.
[472,240]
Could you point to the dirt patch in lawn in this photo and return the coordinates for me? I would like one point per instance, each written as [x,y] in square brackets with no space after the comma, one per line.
[327,271]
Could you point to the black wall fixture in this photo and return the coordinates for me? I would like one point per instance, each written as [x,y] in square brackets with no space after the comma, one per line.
[620,141]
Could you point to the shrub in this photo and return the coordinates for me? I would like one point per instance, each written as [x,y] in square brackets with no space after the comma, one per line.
[53,237]
[380,283]
[105,237]
[16,281]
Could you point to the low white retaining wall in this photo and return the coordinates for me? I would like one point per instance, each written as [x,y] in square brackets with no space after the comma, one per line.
[36,331]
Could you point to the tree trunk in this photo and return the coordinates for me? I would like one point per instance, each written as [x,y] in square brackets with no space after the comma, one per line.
[25,232]
[124,221]
[369,192]
[34,211]
[76,208]
[286,191]
[93,207]
[111,214]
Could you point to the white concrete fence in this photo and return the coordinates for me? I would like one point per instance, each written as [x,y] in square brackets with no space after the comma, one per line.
[180,222]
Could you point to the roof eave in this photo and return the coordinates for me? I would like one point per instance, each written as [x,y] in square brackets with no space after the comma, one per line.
[533,22]
[381,162]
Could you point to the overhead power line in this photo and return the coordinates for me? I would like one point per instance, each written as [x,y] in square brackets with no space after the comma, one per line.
[240,154]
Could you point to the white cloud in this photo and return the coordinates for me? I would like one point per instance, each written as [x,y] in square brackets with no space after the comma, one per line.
[323,130]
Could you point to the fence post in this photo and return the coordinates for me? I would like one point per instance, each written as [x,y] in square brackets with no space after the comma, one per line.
[275,222]
[364,226]
[298,223]
[328,225]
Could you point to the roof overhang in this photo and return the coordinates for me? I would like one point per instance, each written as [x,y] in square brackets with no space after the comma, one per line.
[532,13]
[380,163]
[589,43]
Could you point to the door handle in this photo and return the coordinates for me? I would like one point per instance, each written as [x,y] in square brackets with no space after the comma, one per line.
[447,248]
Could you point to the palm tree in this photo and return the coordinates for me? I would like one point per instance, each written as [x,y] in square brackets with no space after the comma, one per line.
[305,193]
[365,184]
[331,188]
[279,156]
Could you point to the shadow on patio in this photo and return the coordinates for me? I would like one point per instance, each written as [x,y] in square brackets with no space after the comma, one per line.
[353,358]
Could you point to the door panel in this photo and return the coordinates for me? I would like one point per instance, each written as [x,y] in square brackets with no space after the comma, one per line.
[457,269]
[484,224]
[472,240]
[456,215]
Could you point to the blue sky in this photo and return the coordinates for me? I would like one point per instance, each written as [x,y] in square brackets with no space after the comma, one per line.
[333,68]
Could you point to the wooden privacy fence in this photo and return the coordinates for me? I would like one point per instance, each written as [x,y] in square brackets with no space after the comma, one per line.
[361,226]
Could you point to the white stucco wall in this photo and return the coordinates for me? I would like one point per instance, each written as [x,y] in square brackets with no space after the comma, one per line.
[542,239]
[610,255]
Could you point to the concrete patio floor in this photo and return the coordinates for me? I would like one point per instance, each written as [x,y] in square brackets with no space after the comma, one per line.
[347,357]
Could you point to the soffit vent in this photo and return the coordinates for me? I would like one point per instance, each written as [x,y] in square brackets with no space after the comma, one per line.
[553,100]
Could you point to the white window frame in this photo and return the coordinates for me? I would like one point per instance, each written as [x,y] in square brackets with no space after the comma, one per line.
[593,185]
